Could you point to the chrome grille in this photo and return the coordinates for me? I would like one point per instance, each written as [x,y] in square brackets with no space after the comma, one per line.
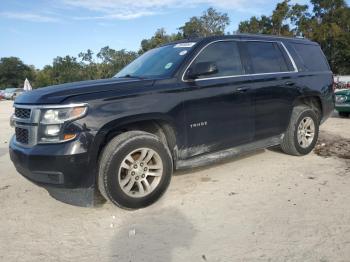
[23,113]
[25,121]
[22,135]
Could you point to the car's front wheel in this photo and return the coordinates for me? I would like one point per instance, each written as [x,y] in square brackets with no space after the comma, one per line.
[302,133]
[135,170]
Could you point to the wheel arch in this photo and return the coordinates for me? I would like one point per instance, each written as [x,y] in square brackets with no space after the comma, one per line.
[313,101]
[158,124]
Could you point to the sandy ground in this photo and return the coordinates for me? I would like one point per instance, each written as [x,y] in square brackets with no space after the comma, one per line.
[267,206]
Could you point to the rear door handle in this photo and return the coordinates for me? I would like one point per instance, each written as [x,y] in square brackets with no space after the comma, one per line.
[241,90]
[289,83]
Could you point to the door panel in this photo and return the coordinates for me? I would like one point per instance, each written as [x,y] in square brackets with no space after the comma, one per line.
[219,115]
[273,86]
[273,96]
[219,112]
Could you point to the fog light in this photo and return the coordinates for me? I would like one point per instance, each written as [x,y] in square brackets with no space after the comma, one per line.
[52,130]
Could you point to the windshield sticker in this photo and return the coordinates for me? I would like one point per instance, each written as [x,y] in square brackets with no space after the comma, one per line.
[184,52]
[184,45]
[168,65]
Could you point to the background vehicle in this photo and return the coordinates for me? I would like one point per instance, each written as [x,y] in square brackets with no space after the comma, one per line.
[181,105]
[343,102]
[12,93]
[2,94]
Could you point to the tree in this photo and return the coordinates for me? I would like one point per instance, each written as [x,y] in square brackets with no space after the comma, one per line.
[112,61]
[90,69]
[279,18]
[13,72]
[66,69]
[330,27]
[211,22]
[160,37]
[276,24]
[44,77]
[328,24]
[87,56]
[301,19]
[262,25]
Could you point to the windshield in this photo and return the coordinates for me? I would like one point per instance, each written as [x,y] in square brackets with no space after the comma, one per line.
[158,62]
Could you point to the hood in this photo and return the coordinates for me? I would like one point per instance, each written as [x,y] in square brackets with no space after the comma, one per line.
[58,93]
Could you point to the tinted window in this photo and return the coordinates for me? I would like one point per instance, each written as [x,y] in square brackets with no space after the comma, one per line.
[226,57]
[311,57]
[161,61]
[266,57]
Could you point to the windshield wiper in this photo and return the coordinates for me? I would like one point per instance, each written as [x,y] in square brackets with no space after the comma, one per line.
[132,76]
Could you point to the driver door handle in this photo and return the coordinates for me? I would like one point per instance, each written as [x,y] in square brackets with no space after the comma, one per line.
[241,90]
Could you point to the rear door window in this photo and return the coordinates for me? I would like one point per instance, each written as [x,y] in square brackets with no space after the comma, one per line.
[266,57]
[226,56]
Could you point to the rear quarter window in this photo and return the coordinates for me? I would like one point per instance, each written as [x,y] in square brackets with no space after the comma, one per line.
[311,57]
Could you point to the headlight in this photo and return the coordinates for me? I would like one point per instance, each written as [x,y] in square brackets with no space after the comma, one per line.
[53,121]
[61,115]
[340,99]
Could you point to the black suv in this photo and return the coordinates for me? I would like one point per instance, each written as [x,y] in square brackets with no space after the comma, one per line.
[183,104]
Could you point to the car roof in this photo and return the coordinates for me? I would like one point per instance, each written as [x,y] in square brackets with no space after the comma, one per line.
[244,36]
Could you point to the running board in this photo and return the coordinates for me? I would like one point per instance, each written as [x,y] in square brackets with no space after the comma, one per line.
[212,158]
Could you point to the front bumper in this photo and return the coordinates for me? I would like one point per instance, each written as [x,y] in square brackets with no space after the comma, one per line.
[62,165]
[342,107]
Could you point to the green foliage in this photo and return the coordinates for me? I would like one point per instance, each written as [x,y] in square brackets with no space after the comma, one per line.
[44,77]
[112,61]
[13,72]
[328,24]
[210,23]
[255,25]
[330,28]
[66,69]
[69,69]
[160,37]
[286,20]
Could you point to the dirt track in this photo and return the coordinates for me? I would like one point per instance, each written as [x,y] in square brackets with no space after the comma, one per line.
[267,206]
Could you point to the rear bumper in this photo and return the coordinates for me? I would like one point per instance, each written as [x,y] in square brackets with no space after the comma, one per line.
[62,165]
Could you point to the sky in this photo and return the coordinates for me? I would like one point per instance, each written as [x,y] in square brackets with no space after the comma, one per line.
[38,31]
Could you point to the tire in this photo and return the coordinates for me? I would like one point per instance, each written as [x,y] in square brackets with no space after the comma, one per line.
[291,142]
[344,114]
[115,168]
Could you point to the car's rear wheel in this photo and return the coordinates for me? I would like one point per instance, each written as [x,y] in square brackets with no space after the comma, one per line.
[135,170]
[302,133]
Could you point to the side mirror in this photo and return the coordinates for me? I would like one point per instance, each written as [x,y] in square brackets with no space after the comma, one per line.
[202,69]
